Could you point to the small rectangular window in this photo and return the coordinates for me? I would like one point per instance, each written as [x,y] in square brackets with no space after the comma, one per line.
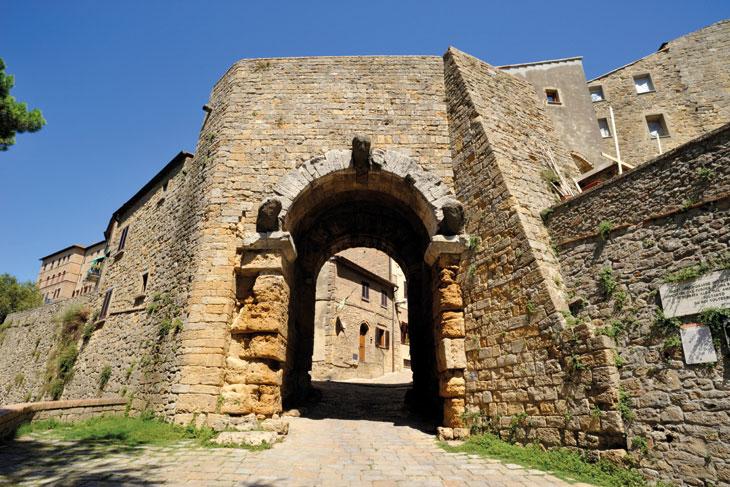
[145,277]
[384,299]
[123,238]
[657,126]
[552,97]
[365,291]
[382,338]
[105,304]
[596,93]
[643,84]
[603,127]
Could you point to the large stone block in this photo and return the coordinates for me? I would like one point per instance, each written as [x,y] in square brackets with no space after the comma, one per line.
[447,298]
[262,346]
[271,288]
[252,372]
[451,324]
[196,403]
[454,413]
[452,385]
[450,354]
[261,317]
[201,375]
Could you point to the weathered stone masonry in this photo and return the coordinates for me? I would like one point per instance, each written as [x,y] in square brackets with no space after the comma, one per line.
[666,217]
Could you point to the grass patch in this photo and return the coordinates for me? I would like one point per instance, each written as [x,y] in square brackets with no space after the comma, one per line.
[561,462]
[128,432]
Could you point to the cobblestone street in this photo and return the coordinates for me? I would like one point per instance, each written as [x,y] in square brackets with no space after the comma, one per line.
[357,436]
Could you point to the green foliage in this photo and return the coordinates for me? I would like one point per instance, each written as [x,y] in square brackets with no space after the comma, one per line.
[604,229]
[164,327]
[607,282]
[619,298]
[88,331]
[639,443]
[625,406]
[665,326]
[705,174]
[549,176]
[689,202]
[14,115]
[718,320]
[618,360]
[561,462]
[472,271]
[614,330]
[671,343]
[530,307]
[689,272]
[128,373]
[596,412]
[14,295]
[474,241]
[104,376]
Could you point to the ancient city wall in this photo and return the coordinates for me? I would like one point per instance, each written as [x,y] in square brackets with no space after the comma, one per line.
[521,358]
[666,216]
[692,91]
[269,116]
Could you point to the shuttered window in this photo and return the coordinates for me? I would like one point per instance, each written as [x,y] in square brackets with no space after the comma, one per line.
[105,304]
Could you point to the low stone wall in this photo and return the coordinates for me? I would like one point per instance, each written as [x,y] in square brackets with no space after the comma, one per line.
[666,216]
[13,415]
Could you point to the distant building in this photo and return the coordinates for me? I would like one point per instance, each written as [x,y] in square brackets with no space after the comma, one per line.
[361,325]
[70,272]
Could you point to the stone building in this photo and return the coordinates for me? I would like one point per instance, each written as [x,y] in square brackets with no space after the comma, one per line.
[357,322]
[537,320]
[679,92]
[67,273]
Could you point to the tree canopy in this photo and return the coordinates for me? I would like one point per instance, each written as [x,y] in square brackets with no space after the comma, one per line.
[14,116]
[17,296]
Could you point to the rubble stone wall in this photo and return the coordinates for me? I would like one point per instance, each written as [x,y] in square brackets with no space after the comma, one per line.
[668,215]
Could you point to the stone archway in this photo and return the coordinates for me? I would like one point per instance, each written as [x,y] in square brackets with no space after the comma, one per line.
[347,198]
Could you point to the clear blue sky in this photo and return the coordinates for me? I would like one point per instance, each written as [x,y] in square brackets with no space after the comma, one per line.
[121,84]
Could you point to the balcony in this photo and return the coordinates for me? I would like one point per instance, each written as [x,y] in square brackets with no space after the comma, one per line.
[94,273]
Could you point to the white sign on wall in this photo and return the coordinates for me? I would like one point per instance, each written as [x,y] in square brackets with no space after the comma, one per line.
[695,295]
[697,344]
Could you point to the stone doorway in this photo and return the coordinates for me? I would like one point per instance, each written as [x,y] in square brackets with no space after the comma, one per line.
[360,198]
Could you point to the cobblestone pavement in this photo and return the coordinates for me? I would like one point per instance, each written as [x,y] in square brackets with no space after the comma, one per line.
[332,446]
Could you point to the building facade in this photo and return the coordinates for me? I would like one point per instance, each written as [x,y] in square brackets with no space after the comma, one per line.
[68,272]
[358,323]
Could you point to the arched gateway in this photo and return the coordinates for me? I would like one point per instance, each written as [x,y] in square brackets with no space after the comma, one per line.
[361,197]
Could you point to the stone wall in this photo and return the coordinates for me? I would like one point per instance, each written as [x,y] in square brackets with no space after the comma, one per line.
[269,116]
[521,358]
[692,91]
[667,215]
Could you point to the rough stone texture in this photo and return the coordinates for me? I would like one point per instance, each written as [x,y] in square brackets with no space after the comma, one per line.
[518,355]
[692,91]
[251,438]
[681,410]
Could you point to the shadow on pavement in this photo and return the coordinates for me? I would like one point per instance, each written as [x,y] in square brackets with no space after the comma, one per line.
[69,463]
[370,402]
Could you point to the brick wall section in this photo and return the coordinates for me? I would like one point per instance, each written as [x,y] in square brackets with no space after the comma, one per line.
[517,360]
[681,410]
[692,91]
[13,415]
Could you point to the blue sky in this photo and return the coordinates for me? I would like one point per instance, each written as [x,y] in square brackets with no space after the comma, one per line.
[122,84]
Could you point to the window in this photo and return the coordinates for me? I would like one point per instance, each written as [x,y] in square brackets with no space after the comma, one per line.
[596,93]
[145,277]
[552,96]
[657,126]
[123,238]
[105,304]
[384,299]
[643,84]
[382,338]
[603,127]
[404,338]
[365,291]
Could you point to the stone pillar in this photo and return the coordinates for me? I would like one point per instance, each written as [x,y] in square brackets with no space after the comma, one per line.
[254,363]
[444,256]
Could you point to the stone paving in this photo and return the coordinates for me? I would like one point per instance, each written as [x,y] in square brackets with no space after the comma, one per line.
[332,446]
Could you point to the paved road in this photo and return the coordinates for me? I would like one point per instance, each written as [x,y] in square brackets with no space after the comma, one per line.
[336,445]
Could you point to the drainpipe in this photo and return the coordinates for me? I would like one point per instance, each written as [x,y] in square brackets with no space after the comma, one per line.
[615,141]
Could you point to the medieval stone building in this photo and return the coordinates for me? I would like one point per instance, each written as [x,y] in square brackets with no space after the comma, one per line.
[542,321]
